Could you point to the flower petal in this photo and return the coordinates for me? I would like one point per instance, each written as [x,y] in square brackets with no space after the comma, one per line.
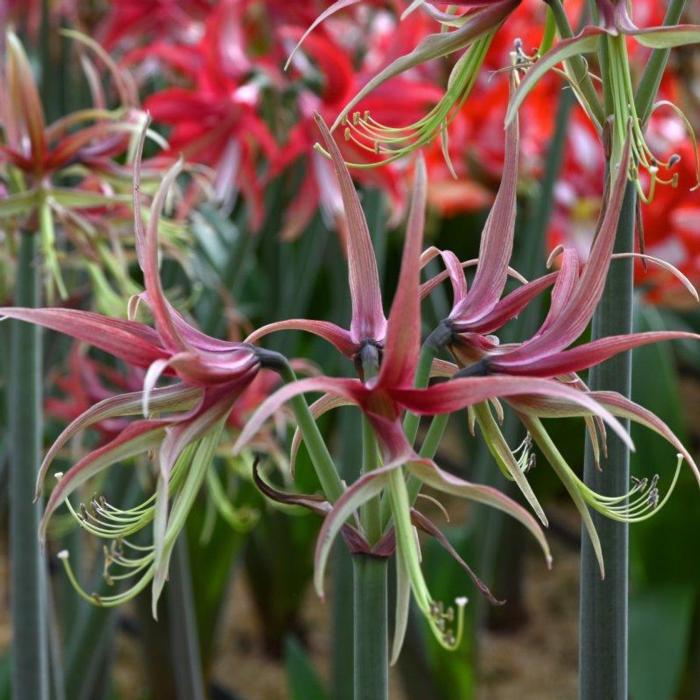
[350,389]
[433,476]
[135,439]
[427,525]
[589,354]
[335,335]
[171,398]
[511,305]
[24,105]
[667,37]
[552,407]
[364,489]
[459,393]
[147,248]
[576,311]
[337,6]
[496,244]
[368,321]
[133,342]
[402,344]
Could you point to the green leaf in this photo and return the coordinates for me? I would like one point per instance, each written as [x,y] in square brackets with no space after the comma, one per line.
[18,203]
[668,37]
[71,198]
[659,631]
[304,683]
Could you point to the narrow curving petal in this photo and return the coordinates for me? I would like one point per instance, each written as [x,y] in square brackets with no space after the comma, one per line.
[511,305]
[137,438]
[402,344]
[459,393]
[350,389]
[337,336]
[133,342]
[576,311]
[425,524]
[589,354]
[496,245]
[171,398]
[364,489]
[433,476]
[368,321]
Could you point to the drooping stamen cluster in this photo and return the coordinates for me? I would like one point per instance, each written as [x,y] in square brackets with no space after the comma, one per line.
[625,117]
[638,504]
[524,454]
[393,143]
[610,35]
[470,33]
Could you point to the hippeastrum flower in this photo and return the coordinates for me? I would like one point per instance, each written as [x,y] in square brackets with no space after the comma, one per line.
[383,399]
[470,33]
[614,26]
[183,422]
[575,295]
[36,158]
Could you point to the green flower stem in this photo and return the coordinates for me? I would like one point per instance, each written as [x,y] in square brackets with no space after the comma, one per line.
[579,68]
[30,645]
[185,654]
[318,451]
[603,612]
[431,347]
[343,634]
[656,65]
[371,675]
[371,647]
[371,515]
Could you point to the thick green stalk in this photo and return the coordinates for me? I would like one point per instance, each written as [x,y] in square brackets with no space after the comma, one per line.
[371,513]
[603,613]
[343,633]
[29,619]
[185,655]
[371,677]
[371,647]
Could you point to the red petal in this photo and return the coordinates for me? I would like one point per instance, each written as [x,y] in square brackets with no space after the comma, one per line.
[328,331]
[147,249]
[511,305]
[368,322]
[496,240]
[460,393]
[576,312]
[403,328]
[589,354]
[133,342]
